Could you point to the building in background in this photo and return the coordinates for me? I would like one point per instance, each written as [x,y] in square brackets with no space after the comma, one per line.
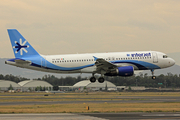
[6,84]
[86,84]
[35,85]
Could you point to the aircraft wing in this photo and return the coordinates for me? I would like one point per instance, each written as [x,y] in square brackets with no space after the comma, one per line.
[103,66]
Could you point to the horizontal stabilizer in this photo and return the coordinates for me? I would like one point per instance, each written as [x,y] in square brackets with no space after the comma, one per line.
[22,61]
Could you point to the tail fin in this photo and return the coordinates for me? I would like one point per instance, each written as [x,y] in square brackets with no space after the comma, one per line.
[20,46]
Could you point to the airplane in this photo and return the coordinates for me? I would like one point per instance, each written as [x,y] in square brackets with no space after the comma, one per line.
[106,64]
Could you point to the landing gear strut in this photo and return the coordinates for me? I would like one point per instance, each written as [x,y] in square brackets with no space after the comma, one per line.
[153,77]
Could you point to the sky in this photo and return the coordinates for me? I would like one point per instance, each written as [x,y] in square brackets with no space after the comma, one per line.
[88,26]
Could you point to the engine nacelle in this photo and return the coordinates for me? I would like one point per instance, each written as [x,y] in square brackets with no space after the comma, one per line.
[122,71]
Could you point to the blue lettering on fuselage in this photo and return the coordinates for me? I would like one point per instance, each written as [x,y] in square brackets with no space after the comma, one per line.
[141,55]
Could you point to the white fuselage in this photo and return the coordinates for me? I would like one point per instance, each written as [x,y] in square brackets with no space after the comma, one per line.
[85,63]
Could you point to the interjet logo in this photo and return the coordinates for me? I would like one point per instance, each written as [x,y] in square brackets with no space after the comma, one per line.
[21,46]
[128,55]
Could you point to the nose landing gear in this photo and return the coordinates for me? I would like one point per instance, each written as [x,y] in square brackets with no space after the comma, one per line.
[153,77]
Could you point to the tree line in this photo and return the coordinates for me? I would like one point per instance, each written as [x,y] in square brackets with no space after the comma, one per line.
[169,80]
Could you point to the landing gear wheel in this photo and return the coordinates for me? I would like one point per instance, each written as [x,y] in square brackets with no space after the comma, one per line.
[153,77]
[93,79]
[101,80]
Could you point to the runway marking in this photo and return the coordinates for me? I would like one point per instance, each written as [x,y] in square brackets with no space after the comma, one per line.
[162,115]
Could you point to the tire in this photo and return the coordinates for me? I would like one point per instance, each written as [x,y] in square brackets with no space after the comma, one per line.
[92,79]
[101,80]
[153,77]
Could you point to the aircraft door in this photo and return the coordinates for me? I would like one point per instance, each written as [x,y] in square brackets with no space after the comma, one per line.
[155,57]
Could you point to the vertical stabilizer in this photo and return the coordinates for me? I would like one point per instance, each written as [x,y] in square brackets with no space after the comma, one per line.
[20,45]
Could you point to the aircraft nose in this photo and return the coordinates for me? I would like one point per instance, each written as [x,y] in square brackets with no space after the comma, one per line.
[171,62]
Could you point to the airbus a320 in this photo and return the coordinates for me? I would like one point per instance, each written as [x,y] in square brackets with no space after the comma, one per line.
[105,64]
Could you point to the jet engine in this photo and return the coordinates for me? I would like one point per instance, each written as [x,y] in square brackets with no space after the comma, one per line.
[121,71]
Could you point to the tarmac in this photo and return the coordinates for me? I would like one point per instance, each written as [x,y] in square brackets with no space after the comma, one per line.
[120,99]
[92,116]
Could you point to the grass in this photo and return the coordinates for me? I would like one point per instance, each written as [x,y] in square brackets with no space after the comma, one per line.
[81,107]
[94,107]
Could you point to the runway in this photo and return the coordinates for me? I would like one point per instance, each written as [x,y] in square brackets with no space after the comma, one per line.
[92,116]
[67,99]
[120,99]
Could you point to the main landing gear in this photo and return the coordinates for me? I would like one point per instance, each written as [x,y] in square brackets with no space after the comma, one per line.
[93,79]
[100,79]
[153,77]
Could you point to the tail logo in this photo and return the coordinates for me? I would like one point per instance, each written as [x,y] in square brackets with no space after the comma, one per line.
[21,46]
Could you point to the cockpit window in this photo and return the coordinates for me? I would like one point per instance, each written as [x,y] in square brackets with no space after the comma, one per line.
[165,56]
